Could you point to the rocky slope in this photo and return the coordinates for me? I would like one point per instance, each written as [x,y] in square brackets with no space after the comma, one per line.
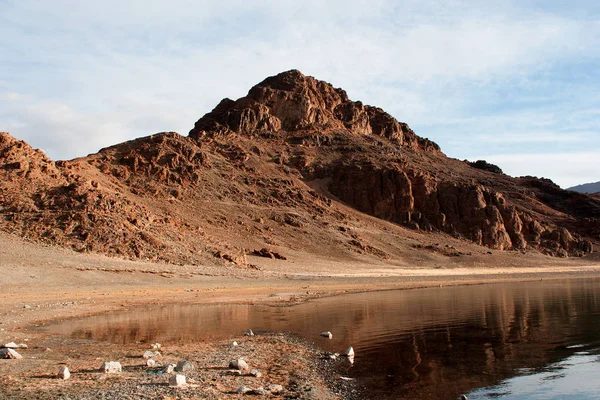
[293,166]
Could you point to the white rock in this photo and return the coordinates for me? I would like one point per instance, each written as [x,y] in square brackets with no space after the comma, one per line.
[234,343]
[184,366]
[155,346]
[349,352]
[350,359]
[255,373]
[177,381]
[169,369]
[111,367]
[249,333]
[10,354]
[151,354]
[275,389]
[243,390]
[22,346]
[260,391]
[238,364]
[327,334]
[63,372]
[150,362]
[11,345]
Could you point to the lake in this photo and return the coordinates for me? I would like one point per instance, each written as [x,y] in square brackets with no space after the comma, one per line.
[530,340]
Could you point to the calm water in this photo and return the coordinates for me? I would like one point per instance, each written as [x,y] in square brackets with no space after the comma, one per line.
[535,340]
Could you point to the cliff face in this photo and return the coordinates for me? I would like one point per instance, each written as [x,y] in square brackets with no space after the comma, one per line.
[269,170]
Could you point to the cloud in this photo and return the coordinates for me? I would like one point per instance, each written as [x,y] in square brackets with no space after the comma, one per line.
[465,74]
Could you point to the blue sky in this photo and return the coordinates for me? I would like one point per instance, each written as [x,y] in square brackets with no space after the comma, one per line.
[513,82]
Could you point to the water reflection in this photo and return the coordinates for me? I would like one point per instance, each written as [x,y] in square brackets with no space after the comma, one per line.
[431,343]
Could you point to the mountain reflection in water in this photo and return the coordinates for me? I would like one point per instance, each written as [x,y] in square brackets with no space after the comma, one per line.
[428,344]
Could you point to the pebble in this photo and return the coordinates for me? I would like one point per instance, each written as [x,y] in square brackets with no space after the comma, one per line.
[10,354]
[151,354]
[249,333]
[184,366]
[169,369]
[275,389]
[155,346]
[150,362]
[111,367]
[255,373]
[63,372]
[260,391]
[234,343]
[177,381]
[238,364]
[243,390]
[327,334]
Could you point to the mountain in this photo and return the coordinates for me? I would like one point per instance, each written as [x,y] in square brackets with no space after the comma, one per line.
[590,188]
[294,167]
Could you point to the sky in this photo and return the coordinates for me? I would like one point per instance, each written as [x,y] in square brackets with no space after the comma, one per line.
[516,83]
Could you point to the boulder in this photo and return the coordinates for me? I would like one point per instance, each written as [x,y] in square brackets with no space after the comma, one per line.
[63,372]
[327,334]
[111,367]
[349,352]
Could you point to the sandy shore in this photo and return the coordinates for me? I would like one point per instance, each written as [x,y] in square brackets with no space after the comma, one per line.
[44,284]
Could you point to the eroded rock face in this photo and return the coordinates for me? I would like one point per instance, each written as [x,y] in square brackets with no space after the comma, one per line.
[292,101]
[472,211]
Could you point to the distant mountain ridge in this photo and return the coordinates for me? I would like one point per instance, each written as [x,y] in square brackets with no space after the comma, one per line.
[590,188]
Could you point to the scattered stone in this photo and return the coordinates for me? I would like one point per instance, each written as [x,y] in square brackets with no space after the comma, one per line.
[10,354]
[169,369]
[234,343]
[22,346]
[249,333]
[345,378]
[349,352]
[151,354]
[332,356]
[268,254]
[111,367]
[463,397]
[177,381]
[350,359]
[150,363]
[260,391]
[243,390]
[155,346]
[184,366]
[11,345]
[327,334]
[238,364]
[255,373]
[63,373]
[26,306]
[275,389]
[235,372]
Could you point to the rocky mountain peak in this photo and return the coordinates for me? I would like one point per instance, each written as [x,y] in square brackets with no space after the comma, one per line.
[291,101]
